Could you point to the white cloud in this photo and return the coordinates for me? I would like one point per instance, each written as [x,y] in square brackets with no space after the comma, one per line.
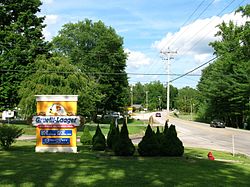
[136,59]
[48,2]
[51,19]
[52,22]
[193,39]
[47,34]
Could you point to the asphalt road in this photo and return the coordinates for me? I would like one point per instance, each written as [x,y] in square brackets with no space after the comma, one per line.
[194,134]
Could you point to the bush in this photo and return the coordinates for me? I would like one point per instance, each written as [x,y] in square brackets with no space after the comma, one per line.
[86,138]
[158,135]
[171,145]
[248,126]
[111,134]
[8,134]
[149,145]
[165,127]
[116,137]
[124,145]
[98,140]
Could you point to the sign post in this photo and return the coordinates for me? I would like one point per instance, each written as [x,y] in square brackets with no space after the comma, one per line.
[56,123]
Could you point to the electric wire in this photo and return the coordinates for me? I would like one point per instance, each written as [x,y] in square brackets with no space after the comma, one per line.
[187,73]
[196,34]
[186,29]
[196,9]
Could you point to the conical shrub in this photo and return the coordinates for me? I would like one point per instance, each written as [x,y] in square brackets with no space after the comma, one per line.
[98,140]
[116,137]
[111,134]
[158,135]
[124,145]
[165,127]
[149,145]
[171,145]
[86,138]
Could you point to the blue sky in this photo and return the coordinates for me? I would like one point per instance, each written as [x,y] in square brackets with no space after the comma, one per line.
[149,27]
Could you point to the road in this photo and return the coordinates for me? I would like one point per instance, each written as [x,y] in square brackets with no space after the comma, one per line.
[194,134]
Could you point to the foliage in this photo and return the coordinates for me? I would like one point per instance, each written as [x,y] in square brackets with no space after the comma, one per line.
[170,144]
[124,145]
[225,85]
[98,140]
[158,135]
[157,95]
[149,145]
[21,42]
[112,134]
[139,94]
[98,51]
[8,134]
[86,138]
[165,127]
[57,76]
[187,100]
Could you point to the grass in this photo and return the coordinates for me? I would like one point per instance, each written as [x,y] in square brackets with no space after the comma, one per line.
[21,166]
[135,127]
[187,116]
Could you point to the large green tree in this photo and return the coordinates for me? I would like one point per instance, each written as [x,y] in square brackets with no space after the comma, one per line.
[187,99]
[225,84]
[138,93]
[21,41]
[156,95]
[55,76]
[98,52]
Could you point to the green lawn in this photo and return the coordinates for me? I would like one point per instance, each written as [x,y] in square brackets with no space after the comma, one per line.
[21,166]
[134,127]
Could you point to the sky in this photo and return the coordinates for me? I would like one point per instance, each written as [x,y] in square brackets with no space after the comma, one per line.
[151,29]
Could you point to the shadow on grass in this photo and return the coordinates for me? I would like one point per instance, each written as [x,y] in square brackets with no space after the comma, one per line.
[21,166]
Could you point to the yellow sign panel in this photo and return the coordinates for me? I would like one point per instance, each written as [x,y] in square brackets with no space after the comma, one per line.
[56,123]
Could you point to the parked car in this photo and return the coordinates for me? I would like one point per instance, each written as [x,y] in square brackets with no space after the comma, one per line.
[217,123]
[157,114]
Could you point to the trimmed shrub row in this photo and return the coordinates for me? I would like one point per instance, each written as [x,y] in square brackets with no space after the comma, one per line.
[164,143]
[161,144]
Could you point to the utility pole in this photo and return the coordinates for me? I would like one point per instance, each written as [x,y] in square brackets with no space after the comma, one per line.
[147,100]
[132,96]
[169,54]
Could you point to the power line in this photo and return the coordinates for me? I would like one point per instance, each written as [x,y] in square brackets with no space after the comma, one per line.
[195,35]
[98,73]
[194,69]
[172,42]
[196,9]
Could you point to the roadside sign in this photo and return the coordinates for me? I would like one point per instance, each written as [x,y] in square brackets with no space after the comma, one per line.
[56,123]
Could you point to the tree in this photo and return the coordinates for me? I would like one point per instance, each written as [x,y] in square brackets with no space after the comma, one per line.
[57,76]
[187,99]
[21,42]
[225,84]
[98,52]
[165,127]
[98,141]
[171,145]
[156,95]
[139,94]
[111,134]
[86,138]
[158,135]
[149,145]
[124,145]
